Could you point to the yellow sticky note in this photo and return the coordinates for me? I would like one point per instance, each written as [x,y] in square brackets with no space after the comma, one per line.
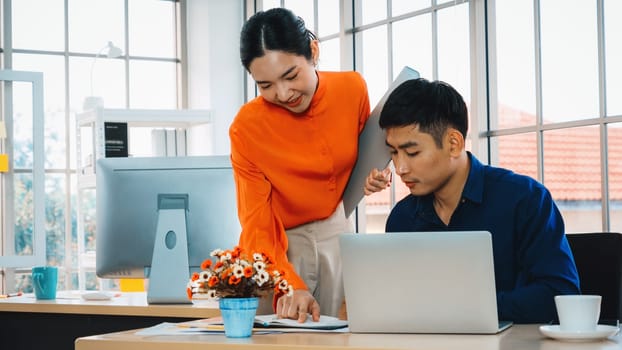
[131,285]
[4,163]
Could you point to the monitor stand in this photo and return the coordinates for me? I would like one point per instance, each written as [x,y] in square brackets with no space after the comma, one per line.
[169,273]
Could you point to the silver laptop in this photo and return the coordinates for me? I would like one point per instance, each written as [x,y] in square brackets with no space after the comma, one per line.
[420,282]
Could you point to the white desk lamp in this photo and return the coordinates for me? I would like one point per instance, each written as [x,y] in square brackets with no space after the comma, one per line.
[92,101]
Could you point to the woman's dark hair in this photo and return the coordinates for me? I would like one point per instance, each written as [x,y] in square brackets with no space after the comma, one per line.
[433,106]
[276,29]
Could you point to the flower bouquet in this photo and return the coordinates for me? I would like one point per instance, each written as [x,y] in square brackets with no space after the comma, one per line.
[233,278]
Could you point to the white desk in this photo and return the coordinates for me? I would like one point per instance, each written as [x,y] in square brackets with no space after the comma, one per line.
[518,337]
[27,323]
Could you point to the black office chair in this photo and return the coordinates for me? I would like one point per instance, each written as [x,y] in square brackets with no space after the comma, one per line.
[598,257]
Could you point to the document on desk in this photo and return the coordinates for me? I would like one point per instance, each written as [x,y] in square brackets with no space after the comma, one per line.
[373,151]
[325,322]
[167,328]
[264,324]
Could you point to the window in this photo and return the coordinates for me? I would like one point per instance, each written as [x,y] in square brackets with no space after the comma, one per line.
[554,116]
[430,37]
[549,76]
[74,62]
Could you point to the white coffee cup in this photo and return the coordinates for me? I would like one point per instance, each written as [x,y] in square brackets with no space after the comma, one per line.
[578,313]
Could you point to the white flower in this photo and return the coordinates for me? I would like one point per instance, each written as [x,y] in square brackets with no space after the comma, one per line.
[225,257]
[237,270]
[277,276]
[204,276]
[259,266]
[261,277]
[216,252]
[212,294]
[257,257]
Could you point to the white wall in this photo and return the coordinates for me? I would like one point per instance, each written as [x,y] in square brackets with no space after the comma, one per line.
[215,74]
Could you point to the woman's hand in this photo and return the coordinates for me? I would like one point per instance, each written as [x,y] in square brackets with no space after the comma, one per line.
[377,180]
[297,306]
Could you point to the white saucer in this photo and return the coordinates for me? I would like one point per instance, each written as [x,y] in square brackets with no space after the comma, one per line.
[601,332]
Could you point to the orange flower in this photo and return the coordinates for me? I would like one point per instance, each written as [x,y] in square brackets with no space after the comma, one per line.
[267,259]
[234,280]
[248,271]
[225,274]
[218,265]
[212,281]
[189,292]
[206,264]
[195,276]
[236,252]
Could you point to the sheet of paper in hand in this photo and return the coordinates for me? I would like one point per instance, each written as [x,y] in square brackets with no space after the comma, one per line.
[372,152]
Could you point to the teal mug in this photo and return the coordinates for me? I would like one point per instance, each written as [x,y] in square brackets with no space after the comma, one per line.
[44,280]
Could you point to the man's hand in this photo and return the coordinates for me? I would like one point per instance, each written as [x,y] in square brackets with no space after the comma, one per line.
[297,306]
[377,180]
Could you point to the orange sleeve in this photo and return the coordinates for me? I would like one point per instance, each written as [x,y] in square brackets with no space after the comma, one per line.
[262,230]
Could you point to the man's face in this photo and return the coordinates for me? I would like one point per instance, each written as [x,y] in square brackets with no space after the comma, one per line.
[419,162]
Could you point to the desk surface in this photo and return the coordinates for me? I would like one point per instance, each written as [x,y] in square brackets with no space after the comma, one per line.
[127,304]
[524,337]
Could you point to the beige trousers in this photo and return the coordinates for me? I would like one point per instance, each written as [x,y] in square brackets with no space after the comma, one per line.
[313,249]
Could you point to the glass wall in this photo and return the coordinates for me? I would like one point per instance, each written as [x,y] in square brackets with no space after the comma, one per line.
[74,54]
[552,74]
[554,81]
[386,35]
[430,37]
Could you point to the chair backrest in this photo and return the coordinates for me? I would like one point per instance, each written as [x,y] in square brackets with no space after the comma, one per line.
[598,257]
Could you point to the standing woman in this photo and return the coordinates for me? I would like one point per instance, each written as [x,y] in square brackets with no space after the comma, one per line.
[293,149]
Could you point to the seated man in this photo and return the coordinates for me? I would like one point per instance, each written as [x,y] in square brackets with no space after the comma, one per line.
[425,125]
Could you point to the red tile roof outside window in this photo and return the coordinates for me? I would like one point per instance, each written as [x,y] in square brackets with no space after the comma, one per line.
[572,162]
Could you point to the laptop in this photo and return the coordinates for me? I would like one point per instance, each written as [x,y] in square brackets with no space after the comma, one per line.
[420,282]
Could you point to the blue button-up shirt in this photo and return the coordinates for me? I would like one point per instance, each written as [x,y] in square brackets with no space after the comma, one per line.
[532,258]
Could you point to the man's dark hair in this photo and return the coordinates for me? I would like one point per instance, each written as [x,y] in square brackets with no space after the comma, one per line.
[277,29]
[433,106]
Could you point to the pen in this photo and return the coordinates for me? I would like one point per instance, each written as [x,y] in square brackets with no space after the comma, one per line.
[215,327]
[4,296]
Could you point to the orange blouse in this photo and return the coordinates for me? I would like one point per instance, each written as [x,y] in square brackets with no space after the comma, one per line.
[291,169]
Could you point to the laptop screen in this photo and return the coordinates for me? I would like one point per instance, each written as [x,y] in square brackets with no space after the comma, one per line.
[420,282]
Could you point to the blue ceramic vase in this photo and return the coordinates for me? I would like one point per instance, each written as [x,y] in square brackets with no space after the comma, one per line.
[238,316]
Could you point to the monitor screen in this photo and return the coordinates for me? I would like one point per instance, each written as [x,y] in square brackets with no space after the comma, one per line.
[173,211]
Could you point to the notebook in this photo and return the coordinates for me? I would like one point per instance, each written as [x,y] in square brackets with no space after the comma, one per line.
[420,282]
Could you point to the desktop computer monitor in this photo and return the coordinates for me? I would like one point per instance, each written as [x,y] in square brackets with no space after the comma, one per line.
[160,217]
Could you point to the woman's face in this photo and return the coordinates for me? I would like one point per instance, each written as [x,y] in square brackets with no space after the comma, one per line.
[285,79]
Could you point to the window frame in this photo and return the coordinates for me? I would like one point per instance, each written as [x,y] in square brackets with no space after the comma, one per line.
[39,246]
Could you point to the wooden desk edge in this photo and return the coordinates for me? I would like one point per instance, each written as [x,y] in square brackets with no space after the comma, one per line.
[134,305]
[128,340]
